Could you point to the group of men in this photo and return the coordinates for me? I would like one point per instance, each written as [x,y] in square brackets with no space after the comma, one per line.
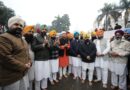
[26,58]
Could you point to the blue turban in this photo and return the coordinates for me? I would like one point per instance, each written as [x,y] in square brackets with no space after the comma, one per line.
[76,33]
[127,30]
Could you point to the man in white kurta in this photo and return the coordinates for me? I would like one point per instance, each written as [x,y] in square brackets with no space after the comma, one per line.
[120,48]
[101,63]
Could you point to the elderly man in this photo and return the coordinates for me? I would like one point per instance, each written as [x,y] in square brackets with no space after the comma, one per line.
[14,57]
[120,49]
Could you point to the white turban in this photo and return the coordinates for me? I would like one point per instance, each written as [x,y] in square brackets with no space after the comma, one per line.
[15,19]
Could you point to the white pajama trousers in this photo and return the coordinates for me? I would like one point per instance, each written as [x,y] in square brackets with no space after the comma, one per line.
[41,84]
[18,85]
[122,80]
[102,74]
[62,71]
[77,71]
[70,65]
[53,77]
[90,67]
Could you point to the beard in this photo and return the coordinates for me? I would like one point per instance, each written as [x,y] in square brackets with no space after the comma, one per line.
[16,32]
[29,38]
[118,41]
[43,34]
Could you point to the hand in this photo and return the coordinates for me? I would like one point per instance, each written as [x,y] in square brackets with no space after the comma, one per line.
[66,45]
[88,57]
[78,55]
[114,54]
[28,65]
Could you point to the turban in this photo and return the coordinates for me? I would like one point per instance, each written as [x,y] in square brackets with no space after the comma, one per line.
[16,19]
[93,33]
[52,33]
[43,27]
[76,33]
[86,36]
[82,32]
[119,31]
[27,29]
[63,32]
[100,32]
[127,30]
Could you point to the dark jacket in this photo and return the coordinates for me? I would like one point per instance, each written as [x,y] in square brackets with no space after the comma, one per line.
[41,52]
[74,47]
[63,42]
[54,50]
[14,55]
[87,49]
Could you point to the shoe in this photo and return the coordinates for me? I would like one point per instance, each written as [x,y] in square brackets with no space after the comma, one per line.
[52,83]
[97,80]
[114,87]
[65,76]
[60,78]
[90,83]
[56,81]
[104,85]
[44,89]
[83,81]
[74,78]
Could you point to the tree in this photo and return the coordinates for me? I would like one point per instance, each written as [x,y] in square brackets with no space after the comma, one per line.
[108,9]
[125,5]
[5,14]
[61,23]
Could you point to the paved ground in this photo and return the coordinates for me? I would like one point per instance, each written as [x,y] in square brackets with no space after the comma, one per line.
[70,84]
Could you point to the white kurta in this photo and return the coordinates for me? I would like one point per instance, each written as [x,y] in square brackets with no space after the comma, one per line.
[89,66]
[76,61]
[102,62]
[118,64]
[42,70]
[31,70]
[54,65]
[70,60]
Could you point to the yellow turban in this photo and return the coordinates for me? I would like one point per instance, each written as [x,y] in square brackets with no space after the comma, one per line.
[27,29]
[93,33]
[82,32]
[86,36]
[100,32]
[52,33]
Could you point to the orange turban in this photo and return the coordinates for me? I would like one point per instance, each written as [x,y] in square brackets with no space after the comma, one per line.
[27,29]
[100,32]
[52,33]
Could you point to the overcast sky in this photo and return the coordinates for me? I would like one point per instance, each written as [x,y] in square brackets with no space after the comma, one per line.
[82,13]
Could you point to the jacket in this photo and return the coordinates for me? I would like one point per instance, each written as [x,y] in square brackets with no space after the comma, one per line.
[14,54]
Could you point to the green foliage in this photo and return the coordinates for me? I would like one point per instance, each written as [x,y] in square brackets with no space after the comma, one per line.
[5,14]
[61,23]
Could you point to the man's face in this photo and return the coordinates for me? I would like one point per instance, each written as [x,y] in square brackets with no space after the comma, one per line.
[127,36]
[16,25]
[64,35]
[118,36]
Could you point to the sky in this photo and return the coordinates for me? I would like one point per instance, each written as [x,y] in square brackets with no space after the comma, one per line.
[82,13]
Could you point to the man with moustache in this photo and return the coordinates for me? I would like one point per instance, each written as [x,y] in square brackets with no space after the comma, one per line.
[28,32]
[120,49]
[40,47]
[76,60]
[87,51]
[14,56]
[101,63]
